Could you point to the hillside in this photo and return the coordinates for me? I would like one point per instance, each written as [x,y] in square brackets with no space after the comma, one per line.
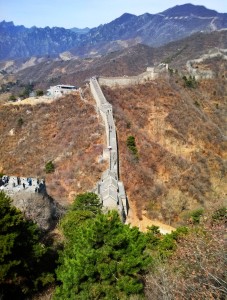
[181,137]
[151,29]
[180,132]
[66,131]
[43,72]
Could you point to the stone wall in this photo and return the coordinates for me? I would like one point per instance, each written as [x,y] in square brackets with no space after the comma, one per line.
[151,73]
[110,189]
[204,74]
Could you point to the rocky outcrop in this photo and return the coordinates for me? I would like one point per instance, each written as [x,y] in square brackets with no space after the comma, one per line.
[30,196]
[39,207]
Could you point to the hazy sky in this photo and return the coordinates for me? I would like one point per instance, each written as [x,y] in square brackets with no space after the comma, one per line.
[86,13]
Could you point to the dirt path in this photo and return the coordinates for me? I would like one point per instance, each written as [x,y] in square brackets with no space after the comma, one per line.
[145,222]
[32,101]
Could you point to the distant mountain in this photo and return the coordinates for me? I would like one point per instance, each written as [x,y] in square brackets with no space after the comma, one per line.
[130,61]
[21,42]
[154,30]
[190,9]
[80,30]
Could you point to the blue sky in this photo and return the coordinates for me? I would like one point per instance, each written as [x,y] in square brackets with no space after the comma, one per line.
[86,13]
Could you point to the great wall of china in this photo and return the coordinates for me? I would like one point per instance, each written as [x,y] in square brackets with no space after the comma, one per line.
[191,65]
[109,188]
[151,73]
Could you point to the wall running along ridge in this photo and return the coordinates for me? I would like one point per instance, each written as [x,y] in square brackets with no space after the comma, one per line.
[109,188]
[151,73]
[204,74]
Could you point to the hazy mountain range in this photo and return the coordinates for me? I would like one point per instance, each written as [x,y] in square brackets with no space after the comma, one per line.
[150,29]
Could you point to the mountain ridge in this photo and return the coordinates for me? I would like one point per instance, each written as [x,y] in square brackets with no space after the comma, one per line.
[180,10]
[150,29]
[46,71]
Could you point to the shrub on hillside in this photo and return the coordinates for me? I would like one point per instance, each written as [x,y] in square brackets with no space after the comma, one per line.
[49,167]
[12,97]
[20,122]
[131,144]
[220,214]
[190,81]
[196,215]
[39,93]
[196,269]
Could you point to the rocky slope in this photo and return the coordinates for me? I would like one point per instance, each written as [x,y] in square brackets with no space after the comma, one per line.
[40,208]
[155,30]
[66,131]
[181,137]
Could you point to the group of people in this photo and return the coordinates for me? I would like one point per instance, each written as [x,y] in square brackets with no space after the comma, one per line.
[18,181]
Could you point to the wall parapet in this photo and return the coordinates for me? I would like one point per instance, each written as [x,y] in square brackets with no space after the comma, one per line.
[151,73]
[109,188]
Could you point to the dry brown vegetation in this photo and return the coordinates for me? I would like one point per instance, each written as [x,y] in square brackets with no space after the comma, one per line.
[216,64]
[195,271]
[180,134]
[129,61]
[66,131]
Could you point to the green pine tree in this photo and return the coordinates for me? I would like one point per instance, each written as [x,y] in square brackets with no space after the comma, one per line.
[20,252]
[102,258]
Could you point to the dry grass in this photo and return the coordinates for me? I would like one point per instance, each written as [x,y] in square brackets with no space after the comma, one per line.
[66,131]
[181,145]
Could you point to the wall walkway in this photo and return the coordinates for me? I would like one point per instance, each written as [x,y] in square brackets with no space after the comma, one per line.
[110,189]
